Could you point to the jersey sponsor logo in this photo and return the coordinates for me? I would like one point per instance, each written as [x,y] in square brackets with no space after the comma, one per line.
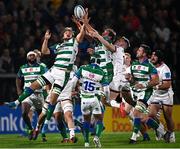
[140,68]
[167,75]
[91,75]
[31,69]
[96,78]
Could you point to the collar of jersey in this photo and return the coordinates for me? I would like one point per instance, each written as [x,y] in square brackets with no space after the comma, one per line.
[35,64]
[93,64]
[145,61]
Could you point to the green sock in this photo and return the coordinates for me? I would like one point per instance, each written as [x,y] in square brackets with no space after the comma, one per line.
[50,111]
[86,126]
[152,123]
[86,135]
[137,125]
[63,133]
[99,128]
[27,92]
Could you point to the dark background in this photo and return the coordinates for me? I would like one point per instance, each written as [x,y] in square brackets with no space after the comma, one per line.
[24,22]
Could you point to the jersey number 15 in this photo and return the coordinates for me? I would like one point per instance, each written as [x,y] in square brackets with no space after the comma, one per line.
[89,86]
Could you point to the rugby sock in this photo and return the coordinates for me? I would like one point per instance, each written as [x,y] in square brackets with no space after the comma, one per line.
[99,128]
[50,111]
[136,128]
[137,125]
[114,103]
[71,133]
[27,92]
[86,126]
[152,123]
[62,128]
[37,126]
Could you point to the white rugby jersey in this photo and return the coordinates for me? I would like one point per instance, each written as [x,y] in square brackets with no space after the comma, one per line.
[164,74]
[118,60]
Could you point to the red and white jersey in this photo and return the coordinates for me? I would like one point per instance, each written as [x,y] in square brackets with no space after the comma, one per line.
[164,74]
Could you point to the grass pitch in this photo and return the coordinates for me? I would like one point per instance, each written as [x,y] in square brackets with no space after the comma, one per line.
[108,140]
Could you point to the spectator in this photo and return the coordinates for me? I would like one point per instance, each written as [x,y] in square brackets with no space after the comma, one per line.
[6,62]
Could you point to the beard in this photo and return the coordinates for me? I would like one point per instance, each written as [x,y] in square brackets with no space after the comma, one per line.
[31,61]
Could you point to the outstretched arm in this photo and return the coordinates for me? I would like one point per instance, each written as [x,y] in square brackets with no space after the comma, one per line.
[81,34]
[44,48]
[109,46]
[77,22]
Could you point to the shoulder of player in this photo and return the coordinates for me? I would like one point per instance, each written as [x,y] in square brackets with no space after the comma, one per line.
[42,64]
[24,66]
[134,62]
[151,64]
[118,48]
[165,67]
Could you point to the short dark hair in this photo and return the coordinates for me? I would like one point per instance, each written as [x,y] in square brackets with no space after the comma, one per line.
[146,48]
[112,33]
[159,54]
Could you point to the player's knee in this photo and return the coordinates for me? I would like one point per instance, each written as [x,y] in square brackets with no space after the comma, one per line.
[125,89]
[68,116]
[57,89]
[67,108]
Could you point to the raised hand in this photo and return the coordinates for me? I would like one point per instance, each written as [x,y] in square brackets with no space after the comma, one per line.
[76,21]
[85,18]
[47,35]
[93,33]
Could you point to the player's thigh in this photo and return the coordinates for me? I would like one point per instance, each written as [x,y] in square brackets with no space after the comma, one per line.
[167,111]
[98,117]
[47,78]
[27,101]
[128,107]
[58,116]
[115,84]
[87,117]
[67,106]
[58,109]
[96,107]
[153,109]
[86,106]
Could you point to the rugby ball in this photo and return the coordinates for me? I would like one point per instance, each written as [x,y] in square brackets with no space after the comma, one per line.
[79,11]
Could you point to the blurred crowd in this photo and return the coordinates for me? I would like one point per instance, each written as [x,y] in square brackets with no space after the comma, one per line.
[24,22]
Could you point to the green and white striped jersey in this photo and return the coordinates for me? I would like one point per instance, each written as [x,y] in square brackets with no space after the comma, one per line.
[105,55]
[142,72]
[29,73]
[91,78]
[65,54]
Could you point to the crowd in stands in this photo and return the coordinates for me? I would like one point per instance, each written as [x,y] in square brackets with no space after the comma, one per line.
[23,24]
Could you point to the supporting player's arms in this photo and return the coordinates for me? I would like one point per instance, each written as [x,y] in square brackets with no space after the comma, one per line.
[19,85]
[164,86]
[107,93]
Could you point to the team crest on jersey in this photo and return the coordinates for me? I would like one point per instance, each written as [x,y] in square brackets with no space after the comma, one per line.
[91,75]
[139,67]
